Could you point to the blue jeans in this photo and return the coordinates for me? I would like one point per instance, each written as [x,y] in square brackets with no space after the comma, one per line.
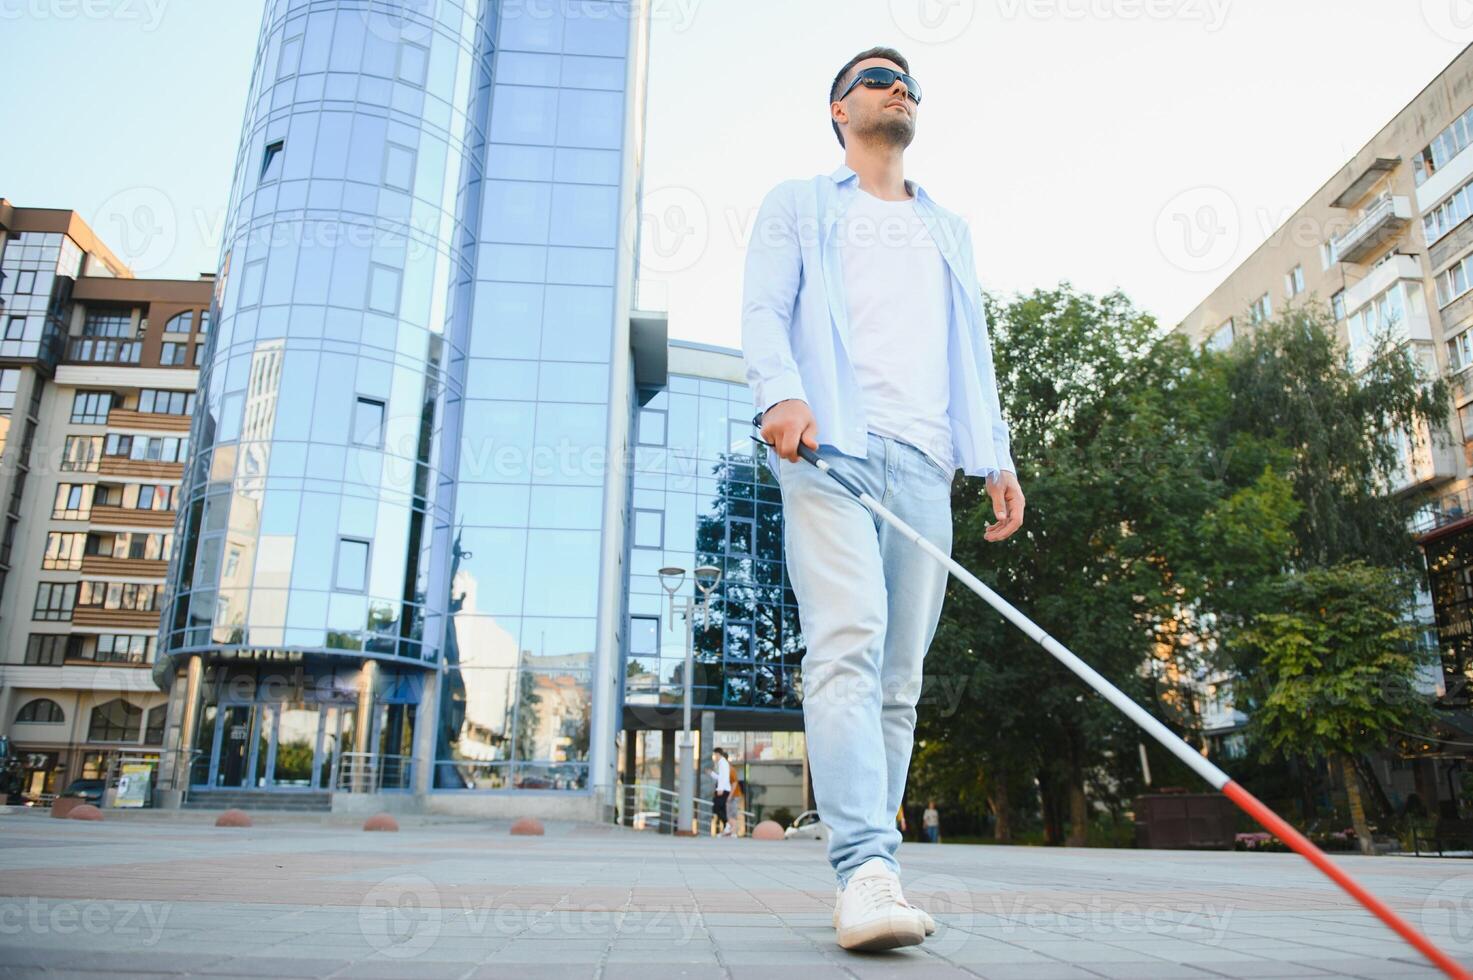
[868,604]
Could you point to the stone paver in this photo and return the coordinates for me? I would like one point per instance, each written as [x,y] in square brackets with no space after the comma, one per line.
[151,896]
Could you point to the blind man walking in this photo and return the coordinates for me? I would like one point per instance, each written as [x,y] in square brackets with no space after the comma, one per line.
[865,339]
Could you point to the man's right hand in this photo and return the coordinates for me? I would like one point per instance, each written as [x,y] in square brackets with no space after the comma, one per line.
[786,424]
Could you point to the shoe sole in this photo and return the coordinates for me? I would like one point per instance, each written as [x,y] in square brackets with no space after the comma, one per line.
[883,934]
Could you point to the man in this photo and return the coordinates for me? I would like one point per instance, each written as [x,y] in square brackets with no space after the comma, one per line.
[931,823]
[865,340]
[721,773]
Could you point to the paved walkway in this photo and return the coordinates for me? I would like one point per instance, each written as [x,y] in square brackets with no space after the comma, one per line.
[310,899]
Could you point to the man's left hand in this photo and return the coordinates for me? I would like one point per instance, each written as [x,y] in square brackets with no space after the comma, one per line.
[1007,504]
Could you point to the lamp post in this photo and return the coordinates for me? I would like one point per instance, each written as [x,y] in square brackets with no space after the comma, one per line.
[671,578]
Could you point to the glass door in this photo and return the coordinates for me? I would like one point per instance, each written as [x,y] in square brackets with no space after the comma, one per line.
[235,744]
[294,745]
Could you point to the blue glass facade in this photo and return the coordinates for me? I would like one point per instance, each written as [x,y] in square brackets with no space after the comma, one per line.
[701,497]
[401,452]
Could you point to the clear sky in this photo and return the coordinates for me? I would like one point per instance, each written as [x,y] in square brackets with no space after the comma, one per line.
[1067,132]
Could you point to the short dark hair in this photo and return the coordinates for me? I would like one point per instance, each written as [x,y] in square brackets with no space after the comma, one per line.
[843,78]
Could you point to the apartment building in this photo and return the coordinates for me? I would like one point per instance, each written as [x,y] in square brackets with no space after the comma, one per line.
[1386,246]
[97,384]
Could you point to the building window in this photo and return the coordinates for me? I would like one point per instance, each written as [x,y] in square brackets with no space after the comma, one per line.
[399,167]
[180,323]
[649,529]
[73,502]
[414,63]
[172,354]
[154,402]
[352,565]
[48,649]
[1294,281]
[9,382]
[271,161]
[116,721]
[383,289]
[199,354]
[108,323]
[651,427]
[80,454]
[1446,145]
[1261,310]
[63,550]
[25,282]
[134,596]
[368,422]
[1222,337]
[151,449]
[153,728]
[41,711]
[739,535]
[124,649]
[91,407]
[54,602]
[204,322]
[1337,305]
[16,328]
[1453,281]
[1460,352]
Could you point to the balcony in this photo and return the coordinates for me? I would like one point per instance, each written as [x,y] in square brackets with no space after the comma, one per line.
[124,618]
[131,516]
[1425,463]
[144,468]
[127,418]
[1442,511]
[128,567]
[90,350]
[1379,279]
[1383,220]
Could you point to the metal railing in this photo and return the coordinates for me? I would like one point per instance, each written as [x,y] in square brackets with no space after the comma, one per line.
[370,772]
[1378,212]
[648,806]
[1443,510]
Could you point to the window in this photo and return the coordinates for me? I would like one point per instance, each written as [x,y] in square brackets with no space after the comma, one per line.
[1294,281]
[41,711]
[739,535]
[271,161]
[1222,337]
[1261,311]
[73,502]
[80,454]
[153,402]
[153,728]
[1382,313]
[16,328]
[368,422]
[1337,305]
[399,167]
[414,61]
[1453,282]
[204,321]
[9,382]
[1449,214]
[172,354]
[124,649]
[180,323]
[1446,145]
[150,449]
[352,565]
[25,282]
[108,323]
[651,427]
[199,354]
[63,550]
[383,289]
[91,407]
[136,596]
[54,602]
[148,546]
[649,529]
[143,496]
[1460,352]
[48,649]
[116,721]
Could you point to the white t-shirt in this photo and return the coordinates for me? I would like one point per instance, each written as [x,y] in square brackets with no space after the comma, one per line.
[898,292]
[723,775]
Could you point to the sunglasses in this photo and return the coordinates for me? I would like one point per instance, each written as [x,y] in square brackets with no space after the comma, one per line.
[884,78]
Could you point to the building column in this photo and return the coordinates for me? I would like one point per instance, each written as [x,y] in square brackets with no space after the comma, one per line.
[426,735]
[363,766]
[7,707]
[667,780]
[708,742]
[179,769]
[631,774]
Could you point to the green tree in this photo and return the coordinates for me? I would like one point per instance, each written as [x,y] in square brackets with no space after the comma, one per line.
[1337,671]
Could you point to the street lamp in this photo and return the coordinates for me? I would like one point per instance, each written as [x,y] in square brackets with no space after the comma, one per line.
[706,578]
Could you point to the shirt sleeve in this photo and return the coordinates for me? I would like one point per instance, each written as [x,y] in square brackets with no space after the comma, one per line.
[1001,437]
[770,280]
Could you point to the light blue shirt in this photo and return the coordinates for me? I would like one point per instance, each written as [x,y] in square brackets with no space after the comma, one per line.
[795,328]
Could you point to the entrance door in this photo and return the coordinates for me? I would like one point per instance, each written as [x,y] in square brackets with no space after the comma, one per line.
[236,742]
[294,744]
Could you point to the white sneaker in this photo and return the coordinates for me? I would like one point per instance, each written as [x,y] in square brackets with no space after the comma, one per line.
[870,912]
[926,921]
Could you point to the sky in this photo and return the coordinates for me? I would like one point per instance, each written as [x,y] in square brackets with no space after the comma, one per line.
[1074,136]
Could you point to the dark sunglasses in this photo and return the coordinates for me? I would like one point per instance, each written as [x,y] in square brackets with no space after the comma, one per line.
[884,78]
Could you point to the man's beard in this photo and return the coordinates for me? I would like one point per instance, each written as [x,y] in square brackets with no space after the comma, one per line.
[891,129]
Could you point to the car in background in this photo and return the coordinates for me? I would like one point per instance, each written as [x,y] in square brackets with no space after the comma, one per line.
[89,790]
[807,826]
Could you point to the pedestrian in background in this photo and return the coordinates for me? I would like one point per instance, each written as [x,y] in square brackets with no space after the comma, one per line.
[931,823]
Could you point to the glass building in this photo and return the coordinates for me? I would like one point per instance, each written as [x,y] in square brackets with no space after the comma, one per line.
[434,460]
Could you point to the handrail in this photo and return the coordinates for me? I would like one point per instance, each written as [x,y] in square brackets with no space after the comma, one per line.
[370,772]
[666,808]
